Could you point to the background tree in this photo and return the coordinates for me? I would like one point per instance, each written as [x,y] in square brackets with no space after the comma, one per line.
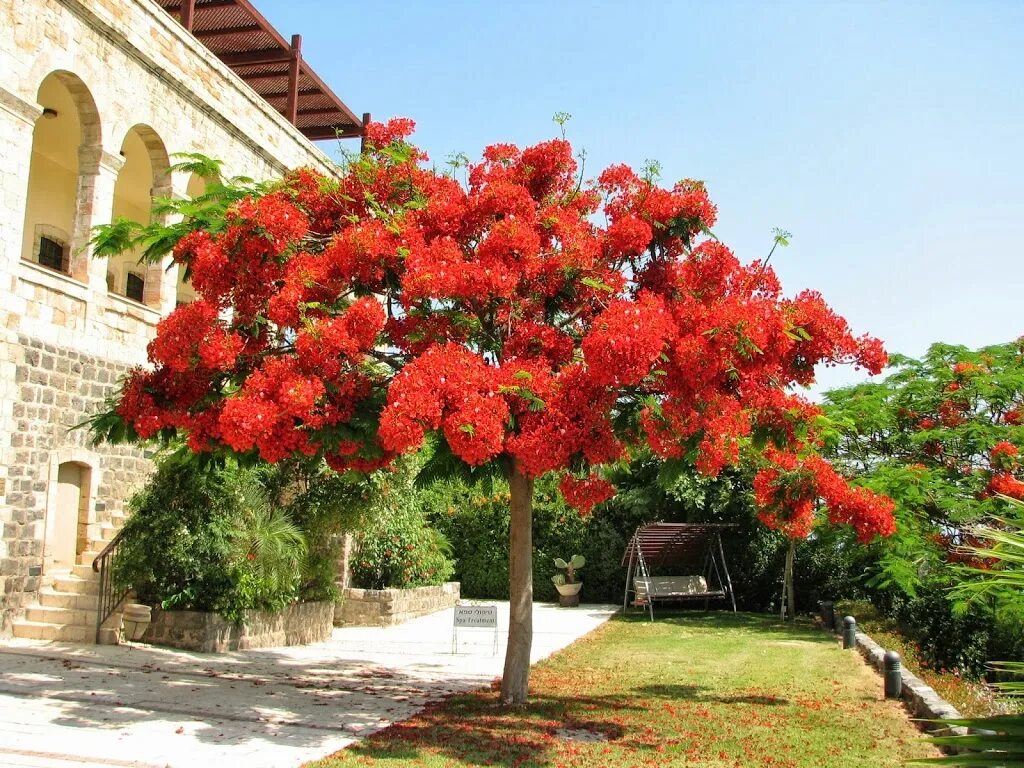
[941,436]
[528,321]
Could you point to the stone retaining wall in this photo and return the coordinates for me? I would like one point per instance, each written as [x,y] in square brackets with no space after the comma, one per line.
[387,607]
[298,624]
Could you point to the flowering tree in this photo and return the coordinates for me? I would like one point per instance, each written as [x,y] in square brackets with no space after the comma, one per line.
[943,437]
[530,321]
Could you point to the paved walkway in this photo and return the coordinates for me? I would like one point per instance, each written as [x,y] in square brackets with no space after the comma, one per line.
[146,707]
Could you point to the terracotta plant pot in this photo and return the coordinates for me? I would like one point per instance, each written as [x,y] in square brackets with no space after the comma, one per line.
[569,594]
[135,620]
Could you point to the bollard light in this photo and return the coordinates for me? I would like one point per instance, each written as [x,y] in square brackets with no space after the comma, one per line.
[849,632]
[893,676]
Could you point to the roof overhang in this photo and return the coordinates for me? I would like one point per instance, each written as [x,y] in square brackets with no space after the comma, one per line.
[238,35]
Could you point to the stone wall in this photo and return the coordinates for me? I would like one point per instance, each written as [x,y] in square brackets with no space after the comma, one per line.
[387,607]
[57,388]
[298,624]
[65,338]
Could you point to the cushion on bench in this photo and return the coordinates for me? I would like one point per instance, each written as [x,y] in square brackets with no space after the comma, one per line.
[669,586]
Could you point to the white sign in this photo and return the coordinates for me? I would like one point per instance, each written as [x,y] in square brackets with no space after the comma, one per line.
[485,616]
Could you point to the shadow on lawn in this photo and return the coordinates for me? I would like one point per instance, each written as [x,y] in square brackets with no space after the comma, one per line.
[474,729]
[696,693]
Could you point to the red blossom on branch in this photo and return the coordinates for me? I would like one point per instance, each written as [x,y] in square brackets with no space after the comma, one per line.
[350,317]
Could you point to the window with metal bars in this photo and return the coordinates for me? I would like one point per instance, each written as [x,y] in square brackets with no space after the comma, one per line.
[51,254]
[135,286]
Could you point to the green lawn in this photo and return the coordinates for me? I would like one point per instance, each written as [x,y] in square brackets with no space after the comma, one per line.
[691,689]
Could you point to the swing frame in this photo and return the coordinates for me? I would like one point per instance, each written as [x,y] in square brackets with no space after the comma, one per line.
[678,545]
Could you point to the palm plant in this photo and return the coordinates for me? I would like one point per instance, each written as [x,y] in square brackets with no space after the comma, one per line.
[267,547]
[994,741]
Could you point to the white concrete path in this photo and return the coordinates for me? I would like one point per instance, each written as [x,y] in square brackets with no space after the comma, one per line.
[145,707]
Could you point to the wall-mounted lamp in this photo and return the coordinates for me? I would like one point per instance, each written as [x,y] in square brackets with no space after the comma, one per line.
[49,113]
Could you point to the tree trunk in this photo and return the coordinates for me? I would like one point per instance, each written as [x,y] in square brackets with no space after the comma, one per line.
[790,596]
[516,678]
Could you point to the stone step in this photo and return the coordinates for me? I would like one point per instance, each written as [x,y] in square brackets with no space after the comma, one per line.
[60,616]
[86,558]
[52,598]
[84,572]
[38,630]
[76,586]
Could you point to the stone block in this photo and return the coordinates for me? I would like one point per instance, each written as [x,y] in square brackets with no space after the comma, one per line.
[386,607]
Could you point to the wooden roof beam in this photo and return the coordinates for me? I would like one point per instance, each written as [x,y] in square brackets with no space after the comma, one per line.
[320,133]
[264,56]
[175,7]
[312,111]
[256,77]
[246,29]
[284,94]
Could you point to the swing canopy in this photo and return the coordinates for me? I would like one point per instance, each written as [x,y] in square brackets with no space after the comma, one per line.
[691,552]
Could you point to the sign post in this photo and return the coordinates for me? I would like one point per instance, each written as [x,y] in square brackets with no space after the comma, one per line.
[475,617]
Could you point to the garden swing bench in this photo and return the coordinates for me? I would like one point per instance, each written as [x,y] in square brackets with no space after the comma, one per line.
[693,550]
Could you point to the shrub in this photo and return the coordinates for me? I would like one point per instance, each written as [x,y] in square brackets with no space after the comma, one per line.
[325,505]
[477,528]
[206,538]
[399,550]
[475,518]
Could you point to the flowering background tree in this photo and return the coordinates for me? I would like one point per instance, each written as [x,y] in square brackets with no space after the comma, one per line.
[943,437]
[524,320]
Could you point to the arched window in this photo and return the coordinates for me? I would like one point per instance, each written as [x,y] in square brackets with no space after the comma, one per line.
[142,178]
[68,124]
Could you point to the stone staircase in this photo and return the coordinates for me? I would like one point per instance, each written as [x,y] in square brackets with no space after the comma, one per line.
[66,608]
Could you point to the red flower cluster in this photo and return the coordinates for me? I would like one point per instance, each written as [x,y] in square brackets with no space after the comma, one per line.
[1006,484]
[1003,463]
[788,491]
[1004,455]
[585,494]
[350,317]
[192,336]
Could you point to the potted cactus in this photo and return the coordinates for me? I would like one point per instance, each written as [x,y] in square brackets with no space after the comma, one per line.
[566,584]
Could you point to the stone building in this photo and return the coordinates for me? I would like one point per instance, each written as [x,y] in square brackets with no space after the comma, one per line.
[96,97]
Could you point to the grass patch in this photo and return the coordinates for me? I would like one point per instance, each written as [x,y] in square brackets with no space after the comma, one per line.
[973,698]
[690,689]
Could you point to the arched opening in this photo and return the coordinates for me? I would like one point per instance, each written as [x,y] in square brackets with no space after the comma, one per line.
[68,124]
[184,293]
[143,177]
[68,518]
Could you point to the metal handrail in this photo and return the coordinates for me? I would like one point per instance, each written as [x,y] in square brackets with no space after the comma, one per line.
[107,599]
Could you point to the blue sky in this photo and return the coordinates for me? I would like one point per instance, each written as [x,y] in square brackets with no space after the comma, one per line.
[888,138]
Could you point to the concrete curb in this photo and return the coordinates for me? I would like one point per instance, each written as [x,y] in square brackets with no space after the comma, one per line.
[919,697]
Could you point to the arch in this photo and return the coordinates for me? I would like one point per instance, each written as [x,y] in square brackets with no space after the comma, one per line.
[69,124]
[196,186]
[144,176]
[184,292]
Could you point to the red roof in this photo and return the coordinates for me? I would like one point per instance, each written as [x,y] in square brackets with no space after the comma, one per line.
[239,36]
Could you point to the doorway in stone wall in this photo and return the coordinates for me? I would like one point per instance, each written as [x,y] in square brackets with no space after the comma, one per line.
[67,523]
